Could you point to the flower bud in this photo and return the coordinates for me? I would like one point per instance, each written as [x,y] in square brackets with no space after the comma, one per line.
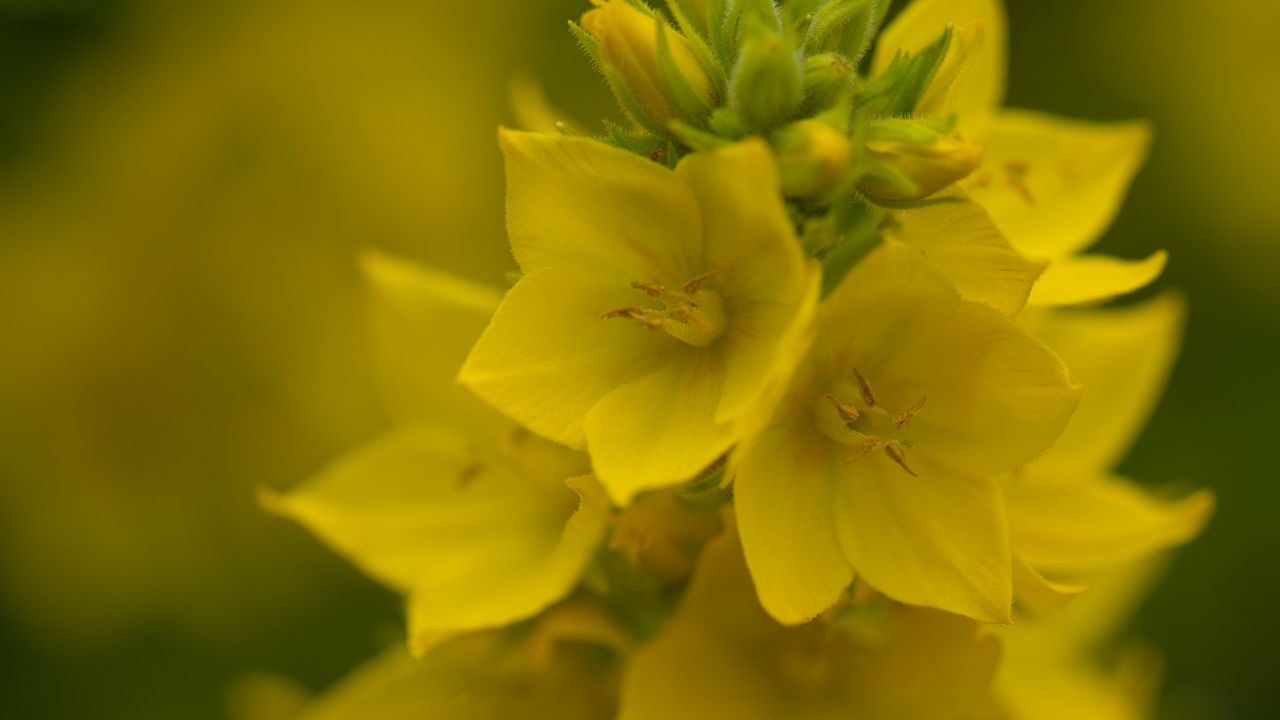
[768,83]
[828,79]
[905,161]
[629,46]
[812,156]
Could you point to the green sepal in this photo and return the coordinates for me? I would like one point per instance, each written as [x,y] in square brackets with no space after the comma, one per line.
[843,26]
[897,91]
[828,80]
[675,86]
[854,231]
[701,50]
[696,139]
[729,123]
[590,46]
[623,139]
[630,104]
[768,83]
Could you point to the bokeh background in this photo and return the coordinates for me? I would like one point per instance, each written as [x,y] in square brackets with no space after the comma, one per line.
[184,185]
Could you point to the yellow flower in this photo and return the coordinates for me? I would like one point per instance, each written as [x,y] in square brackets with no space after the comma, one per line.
[881,460]
[927,162]
[655,310]
[1069,515]
[562,667]
[1051,185]
[628,41]
[1051,667]
[722,656]
[478,522]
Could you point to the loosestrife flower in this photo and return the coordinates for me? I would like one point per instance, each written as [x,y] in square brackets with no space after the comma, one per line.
[785,413]
[1051,185]
[478,522]
[653,308]
[883,458]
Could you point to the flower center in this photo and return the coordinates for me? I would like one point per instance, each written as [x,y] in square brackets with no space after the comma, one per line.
[852,415]
[692,314]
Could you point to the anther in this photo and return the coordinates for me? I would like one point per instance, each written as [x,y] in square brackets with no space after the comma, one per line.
[653,290]
[899,456]
[695,284]
[862,449]
[848,413]
[868,396]
[645,317]
[904,418]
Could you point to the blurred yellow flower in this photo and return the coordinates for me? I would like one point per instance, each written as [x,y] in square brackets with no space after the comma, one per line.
[1069,514]
[1051,185]
[722,656]
[480,523]
[655,308]
[883,456]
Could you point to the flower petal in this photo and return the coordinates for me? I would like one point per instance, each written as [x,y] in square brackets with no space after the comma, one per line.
[1094,279]
[768,287]
[959,238]
[783,496]
[548,356]
[1122,358]
[660,429]
[424,323]
[936,539]
[581,202]
[1081,524]
[478,537]
[981,91]
[996,396]
[1054,185]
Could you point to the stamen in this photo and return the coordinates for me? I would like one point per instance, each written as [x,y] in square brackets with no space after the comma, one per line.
[1015,175]
[848,413]
[648,318]
[864,448]
[695,284]
[653,290]
[899,456]
[904,418]
[868,396]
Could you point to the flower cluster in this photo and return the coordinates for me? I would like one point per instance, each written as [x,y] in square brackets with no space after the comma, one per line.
[800,405]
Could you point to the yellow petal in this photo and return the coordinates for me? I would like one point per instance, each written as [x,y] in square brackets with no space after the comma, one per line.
[960,239]
[762,272]
[1035,593]
[1054,185]
[996,397]
[721,656]
[1122,359]
[1082,524]
[1094,279]
[476,536]
[480,676]
[938,539]
[580,202]
[424,323]
[981,91]
[548,355]
[783,496]
[660,429]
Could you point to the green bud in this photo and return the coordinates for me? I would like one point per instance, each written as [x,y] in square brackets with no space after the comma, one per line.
[768,84]
[652,69]
[905,160]
[828,79]
[812,157]
[845,26]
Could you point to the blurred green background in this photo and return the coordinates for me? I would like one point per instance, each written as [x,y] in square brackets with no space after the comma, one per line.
[183,186]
